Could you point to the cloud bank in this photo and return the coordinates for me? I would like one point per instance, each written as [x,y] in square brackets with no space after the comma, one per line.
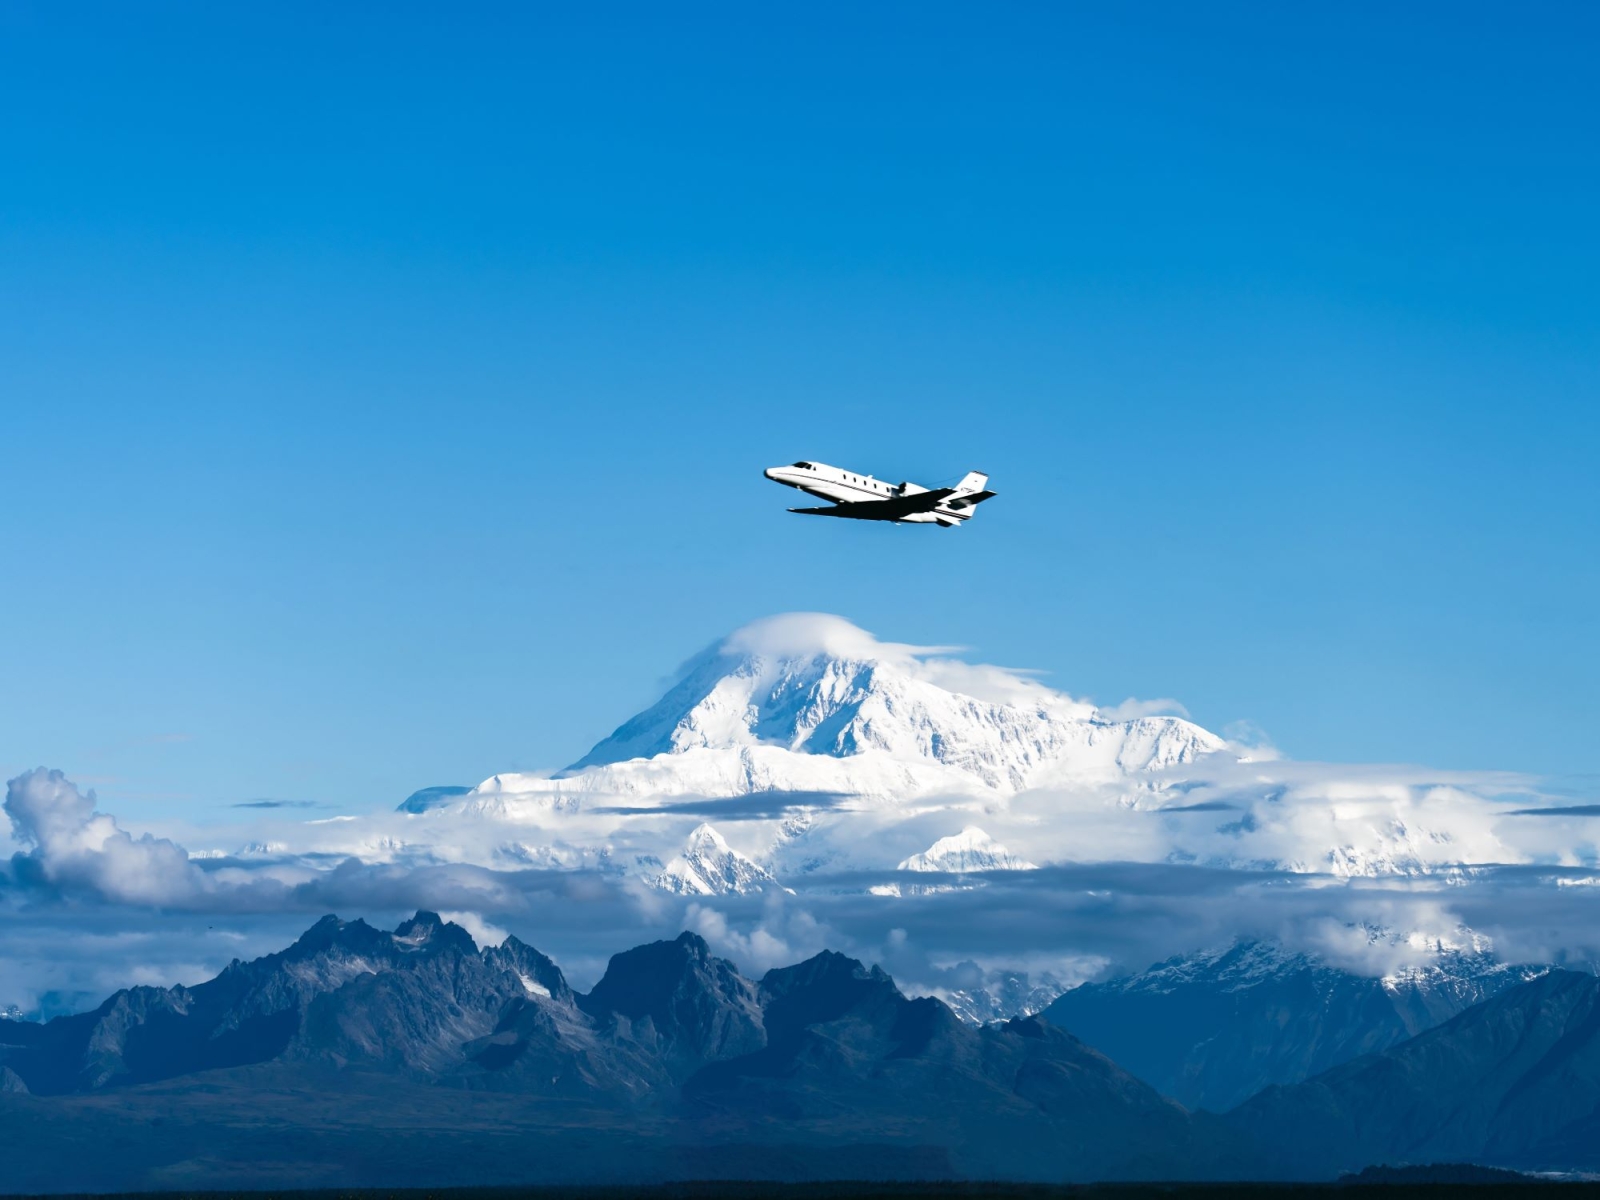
[141,909]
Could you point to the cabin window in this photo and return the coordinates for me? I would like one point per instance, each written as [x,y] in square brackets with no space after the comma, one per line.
[804,466]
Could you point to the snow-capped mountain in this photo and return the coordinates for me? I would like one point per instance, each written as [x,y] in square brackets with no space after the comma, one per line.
[1003,996]
[845,745]
[808,702]
[811,684]
[1212,1028]
[708,866]
[970,850]
[961,853]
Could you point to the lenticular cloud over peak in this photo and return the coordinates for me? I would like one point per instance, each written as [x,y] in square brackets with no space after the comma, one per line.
[790,637]
[813,634]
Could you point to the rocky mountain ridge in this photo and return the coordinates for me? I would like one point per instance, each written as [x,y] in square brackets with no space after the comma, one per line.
[674,1049]
[827,1050]
[1213,1028]
[1513,1081]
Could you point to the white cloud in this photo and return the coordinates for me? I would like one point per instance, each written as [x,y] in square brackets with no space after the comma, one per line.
[1248,739]
[784,933]
[1131,709]
[75,848]
[802,635]
[482,932]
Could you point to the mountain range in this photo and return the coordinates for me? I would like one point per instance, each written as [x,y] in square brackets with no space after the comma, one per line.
[357,1056]
[671,1048]
[1214,1028]
[1513,1081]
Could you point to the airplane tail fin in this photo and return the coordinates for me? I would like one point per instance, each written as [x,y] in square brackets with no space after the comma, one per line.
[972,491]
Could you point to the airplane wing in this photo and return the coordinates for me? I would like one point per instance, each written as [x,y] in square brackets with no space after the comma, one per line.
[891,509]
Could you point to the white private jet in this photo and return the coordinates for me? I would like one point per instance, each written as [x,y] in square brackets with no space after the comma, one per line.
[863,498]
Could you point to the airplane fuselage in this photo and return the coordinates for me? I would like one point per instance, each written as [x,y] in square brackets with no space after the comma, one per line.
[862,497]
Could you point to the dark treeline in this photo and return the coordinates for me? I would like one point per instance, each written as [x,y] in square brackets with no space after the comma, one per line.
[1428,1183]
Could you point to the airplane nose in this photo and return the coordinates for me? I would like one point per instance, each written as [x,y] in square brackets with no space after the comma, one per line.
[769,472]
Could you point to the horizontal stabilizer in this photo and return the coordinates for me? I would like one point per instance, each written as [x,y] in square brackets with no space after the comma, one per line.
[960,502]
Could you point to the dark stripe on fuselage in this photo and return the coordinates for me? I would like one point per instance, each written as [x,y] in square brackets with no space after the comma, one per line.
[887,494]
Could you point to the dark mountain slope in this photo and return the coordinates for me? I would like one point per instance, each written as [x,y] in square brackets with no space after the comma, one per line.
[344,992]
[1514,1081]
[1211,1030]
[659,1013]
[680,1001]
[847,1050]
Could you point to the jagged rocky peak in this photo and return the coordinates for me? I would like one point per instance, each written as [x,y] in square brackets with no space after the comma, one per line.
[538,973]
[424,932]
[970,850]
[637,978]
[817,685]
[708,866]
[824,988]
[331,933]
[1214,1027]
[999,995]
[1241,962]
[427,932]
[693,1005]
[1397,959]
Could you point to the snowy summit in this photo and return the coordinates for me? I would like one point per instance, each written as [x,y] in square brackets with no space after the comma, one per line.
[801,746]
[810,702]
[970,850]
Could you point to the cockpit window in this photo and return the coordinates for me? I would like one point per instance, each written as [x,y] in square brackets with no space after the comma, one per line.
[804,466]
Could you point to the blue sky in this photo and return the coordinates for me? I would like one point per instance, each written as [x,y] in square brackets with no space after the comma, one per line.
[384,392]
